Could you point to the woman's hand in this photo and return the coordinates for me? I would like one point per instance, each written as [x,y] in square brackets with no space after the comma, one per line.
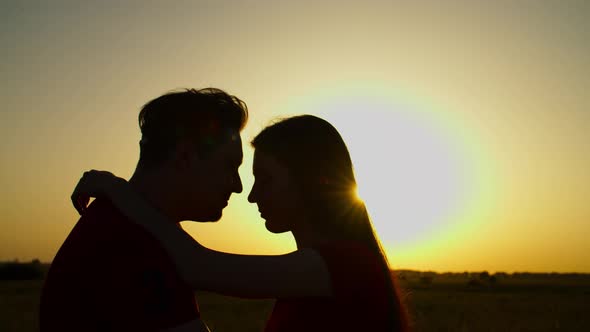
[93,183]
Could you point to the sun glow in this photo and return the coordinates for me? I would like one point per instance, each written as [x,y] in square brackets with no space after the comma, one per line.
[411,172]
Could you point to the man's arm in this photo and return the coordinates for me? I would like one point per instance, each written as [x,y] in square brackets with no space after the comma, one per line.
[303,273]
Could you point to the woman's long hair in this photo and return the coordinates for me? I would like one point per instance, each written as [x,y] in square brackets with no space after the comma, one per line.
[319,162]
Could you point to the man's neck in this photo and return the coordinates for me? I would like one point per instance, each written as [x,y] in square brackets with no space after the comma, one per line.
[153,188]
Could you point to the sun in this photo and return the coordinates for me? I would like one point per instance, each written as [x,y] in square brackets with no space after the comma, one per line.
[409,170]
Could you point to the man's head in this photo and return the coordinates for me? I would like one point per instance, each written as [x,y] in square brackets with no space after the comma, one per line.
[191,146]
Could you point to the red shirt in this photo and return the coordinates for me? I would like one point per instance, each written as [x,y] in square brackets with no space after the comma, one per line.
[110,274]
[358,303]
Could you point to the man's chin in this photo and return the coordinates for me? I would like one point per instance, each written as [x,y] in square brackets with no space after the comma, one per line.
[274,229]
[214,217]
[210,217]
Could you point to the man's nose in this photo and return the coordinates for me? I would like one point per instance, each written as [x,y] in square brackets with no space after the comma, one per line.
[237,184]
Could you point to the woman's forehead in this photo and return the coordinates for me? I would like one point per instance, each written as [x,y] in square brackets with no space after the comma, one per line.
[264,161]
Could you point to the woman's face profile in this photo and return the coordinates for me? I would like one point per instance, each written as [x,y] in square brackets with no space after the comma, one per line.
[274,193]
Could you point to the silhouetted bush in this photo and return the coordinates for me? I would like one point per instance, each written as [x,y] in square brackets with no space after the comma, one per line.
[493,280]
[426,280]
[474,283]
[21,271]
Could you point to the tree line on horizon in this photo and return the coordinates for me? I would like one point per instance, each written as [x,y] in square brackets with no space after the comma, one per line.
[36,270]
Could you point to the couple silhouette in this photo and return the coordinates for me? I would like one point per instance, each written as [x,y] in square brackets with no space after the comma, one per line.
[127,265]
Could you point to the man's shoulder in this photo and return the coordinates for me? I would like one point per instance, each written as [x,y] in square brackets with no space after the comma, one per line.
[116,235]
[103,233]
[102,214]
[104,222]
[107,257]
[95,227]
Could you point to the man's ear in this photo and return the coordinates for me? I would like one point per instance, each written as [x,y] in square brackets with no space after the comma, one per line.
[185,155]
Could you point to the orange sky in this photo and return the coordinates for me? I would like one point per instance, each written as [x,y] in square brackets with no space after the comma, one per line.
[482,108]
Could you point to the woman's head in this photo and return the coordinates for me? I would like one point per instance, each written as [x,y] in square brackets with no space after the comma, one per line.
[303,173]
[302,166]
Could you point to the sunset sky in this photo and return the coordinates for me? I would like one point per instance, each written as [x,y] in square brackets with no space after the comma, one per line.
[468,121]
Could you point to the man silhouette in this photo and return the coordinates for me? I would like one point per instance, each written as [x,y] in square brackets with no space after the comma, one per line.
[110,274]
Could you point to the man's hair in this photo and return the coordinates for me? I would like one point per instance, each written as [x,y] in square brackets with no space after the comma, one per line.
[210,116]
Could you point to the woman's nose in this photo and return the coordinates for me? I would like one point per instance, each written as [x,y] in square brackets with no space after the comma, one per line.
[251,196]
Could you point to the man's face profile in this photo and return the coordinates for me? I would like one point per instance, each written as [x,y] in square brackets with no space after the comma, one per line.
[209,180]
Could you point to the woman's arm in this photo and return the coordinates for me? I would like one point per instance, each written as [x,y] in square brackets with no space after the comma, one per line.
[302,273]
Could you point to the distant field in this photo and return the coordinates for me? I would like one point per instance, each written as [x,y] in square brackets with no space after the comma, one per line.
[437,302]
